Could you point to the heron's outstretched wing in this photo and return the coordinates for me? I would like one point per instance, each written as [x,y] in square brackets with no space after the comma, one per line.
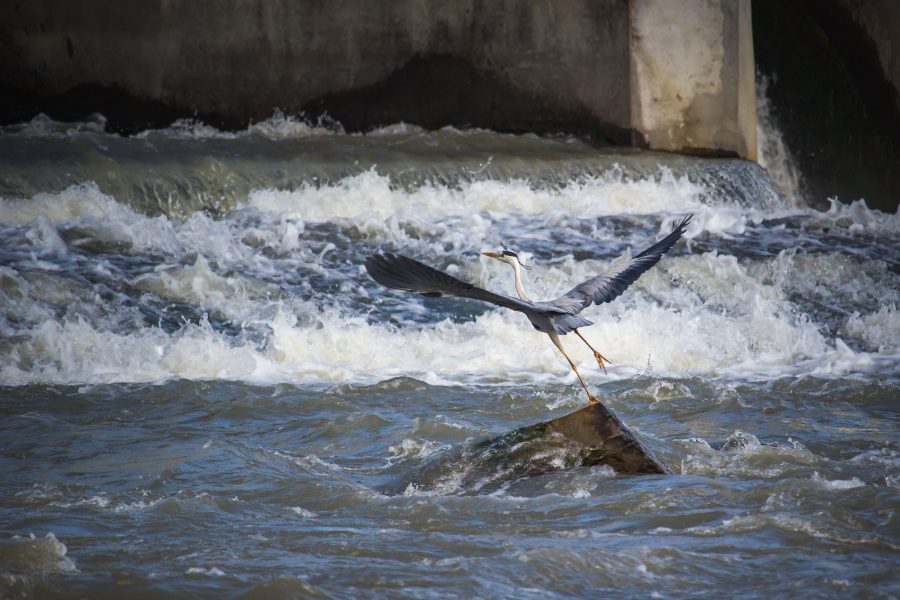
[402,273]
[608,287]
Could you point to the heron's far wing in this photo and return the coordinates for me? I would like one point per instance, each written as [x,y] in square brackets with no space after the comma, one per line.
[402,273]
[608,287]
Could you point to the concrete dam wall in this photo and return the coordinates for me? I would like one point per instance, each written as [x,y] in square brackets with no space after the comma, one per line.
[665,75]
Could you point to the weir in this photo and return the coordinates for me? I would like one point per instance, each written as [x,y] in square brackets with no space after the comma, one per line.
[669,76]
[174,173]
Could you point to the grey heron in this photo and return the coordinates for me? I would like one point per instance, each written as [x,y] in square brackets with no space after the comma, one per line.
[553,317]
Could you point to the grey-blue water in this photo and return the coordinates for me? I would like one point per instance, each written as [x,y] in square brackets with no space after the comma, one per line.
[202,394]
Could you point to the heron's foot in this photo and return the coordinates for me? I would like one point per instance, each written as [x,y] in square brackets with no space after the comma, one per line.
[600,360]
[592,401]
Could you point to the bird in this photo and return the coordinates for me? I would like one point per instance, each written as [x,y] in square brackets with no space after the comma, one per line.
[552,317]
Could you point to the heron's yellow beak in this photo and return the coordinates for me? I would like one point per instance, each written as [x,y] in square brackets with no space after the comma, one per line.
[496,255]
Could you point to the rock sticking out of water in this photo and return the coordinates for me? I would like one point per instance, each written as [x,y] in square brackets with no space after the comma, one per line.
[592,436]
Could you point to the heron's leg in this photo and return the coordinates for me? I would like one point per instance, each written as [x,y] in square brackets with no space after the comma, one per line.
[600,358]
[558,343]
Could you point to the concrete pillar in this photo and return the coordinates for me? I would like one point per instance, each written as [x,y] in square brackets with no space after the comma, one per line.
[673,75]
[692,75]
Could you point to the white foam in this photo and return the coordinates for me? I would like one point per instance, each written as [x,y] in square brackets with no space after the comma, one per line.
[370,196]
[707,314]
[35,554]
[581,483]
[277,127]
[880,330]
[837,484]
[833,278]
[882,456]
[743,455]
[77,352]
[231,296]
[400,128]
[720,318]
[858,219]
[102,501]
[370,201]
[210,572]
[460,216]
[302,512]
[45,238]
[773,154]
[99,216]
[412,449]
[42,126]
[75,202]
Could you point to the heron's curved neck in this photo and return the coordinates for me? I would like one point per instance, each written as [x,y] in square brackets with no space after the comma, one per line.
[519,289]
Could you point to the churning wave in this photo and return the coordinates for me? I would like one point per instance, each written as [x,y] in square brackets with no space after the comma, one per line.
[274,290]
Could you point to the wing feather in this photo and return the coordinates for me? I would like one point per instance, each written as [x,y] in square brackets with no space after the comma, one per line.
[609,286]
[403,273]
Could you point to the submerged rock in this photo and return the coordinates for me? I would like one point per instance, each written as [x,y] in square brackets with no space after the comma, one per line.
[592,436]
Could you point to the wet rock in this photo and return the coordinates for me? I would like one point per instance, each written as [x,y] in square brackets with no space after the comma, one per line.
[592,436]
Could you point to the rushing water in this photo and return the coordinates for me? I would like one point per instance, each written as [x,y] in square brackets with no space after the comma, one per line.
[204,394]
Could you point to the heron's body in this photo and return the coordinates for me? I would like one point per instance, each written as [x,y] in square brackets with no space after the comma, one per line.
[554,317]
[556,323]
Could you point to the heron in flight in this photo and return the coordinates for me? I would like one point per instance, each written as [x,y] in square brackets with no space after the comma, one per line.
[553,317]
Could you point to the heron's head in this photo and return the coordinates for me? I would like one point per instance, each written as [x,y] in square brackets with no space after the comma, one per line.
[507,256]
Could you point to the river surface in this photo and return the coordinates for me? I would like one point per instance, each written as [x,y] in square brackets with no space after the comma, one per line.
[202,393]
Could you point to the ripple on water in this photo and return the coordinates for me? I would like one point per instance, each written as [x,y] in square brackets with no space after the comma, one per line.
[208,396]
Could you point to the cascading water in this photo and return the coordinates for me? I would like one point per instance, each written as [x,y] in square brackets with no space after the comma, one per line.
[774,156]
[204,392]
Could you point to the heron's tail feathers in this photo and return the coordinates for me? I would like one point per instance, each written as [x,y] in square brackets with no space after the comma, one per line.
[564,325]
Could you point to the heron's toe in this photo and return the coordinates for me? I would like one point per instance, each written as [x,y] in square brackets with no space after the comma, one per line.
[600,361]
